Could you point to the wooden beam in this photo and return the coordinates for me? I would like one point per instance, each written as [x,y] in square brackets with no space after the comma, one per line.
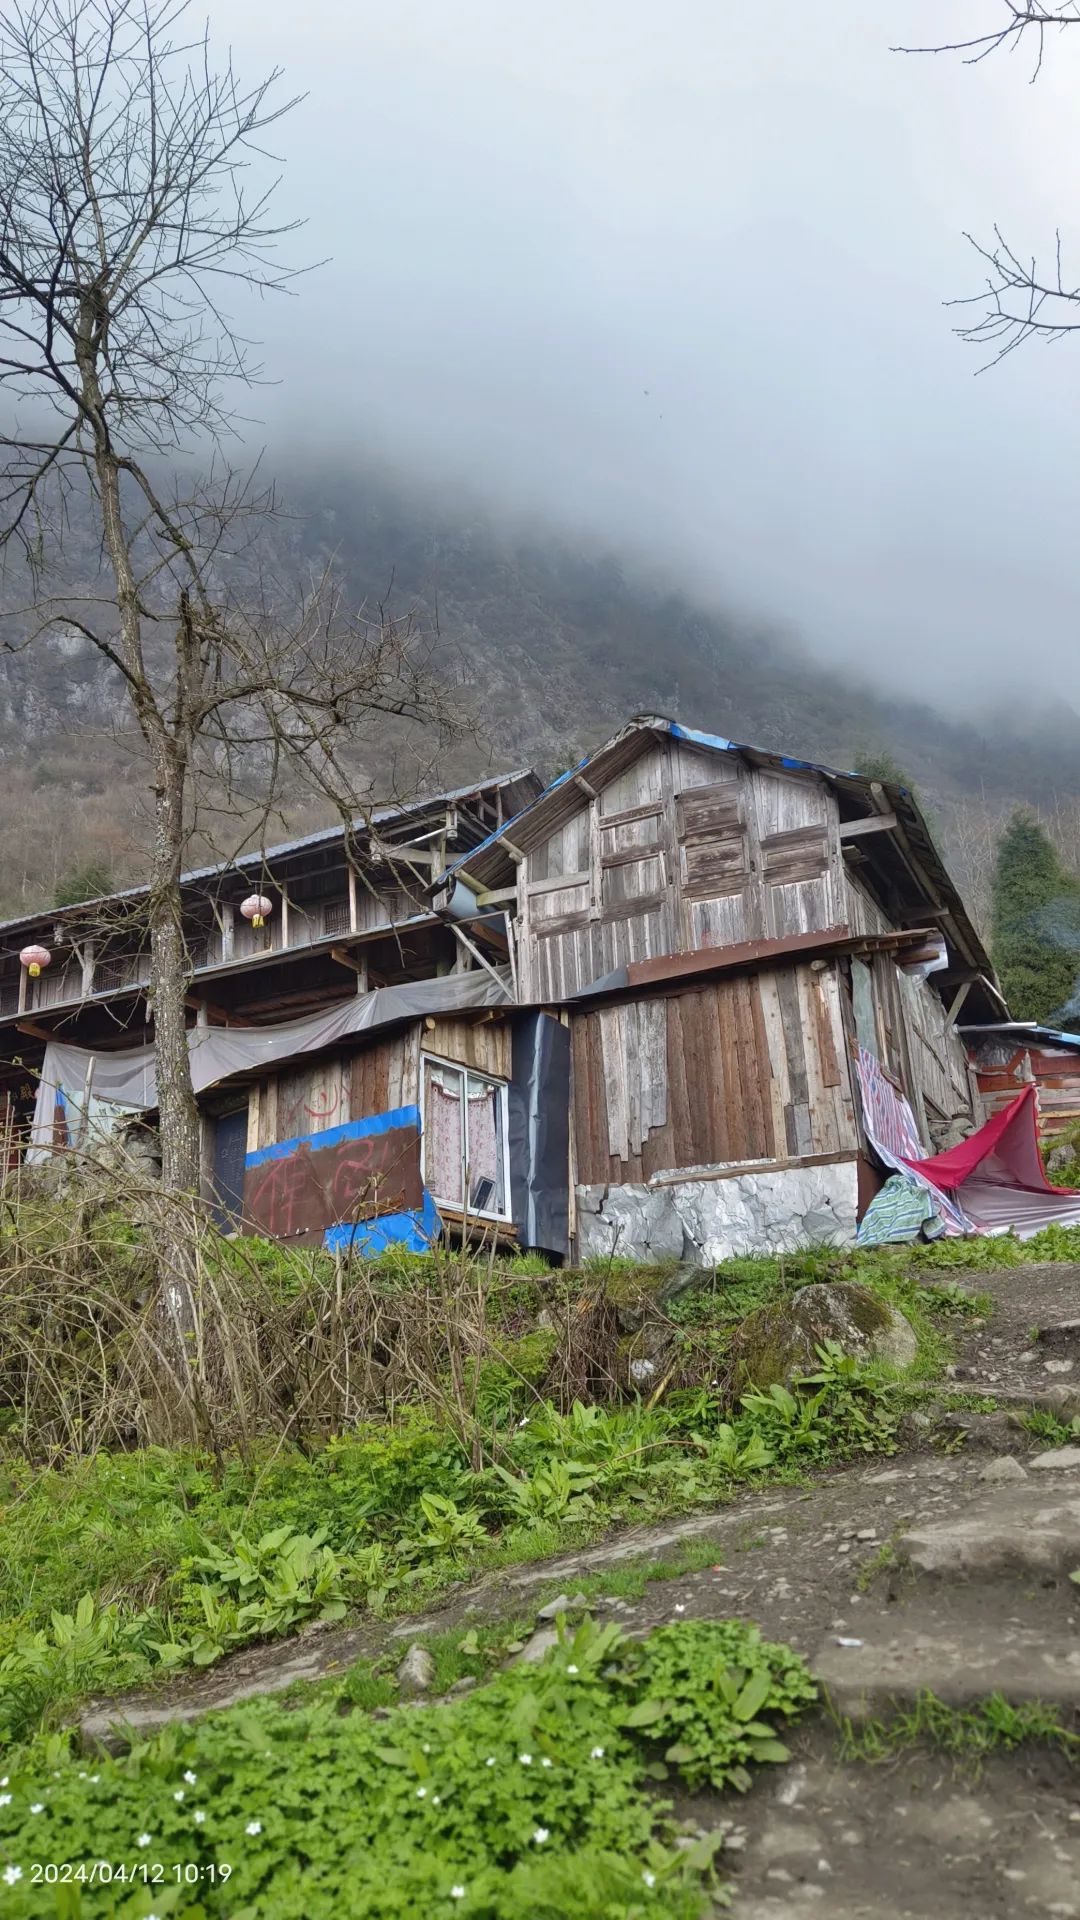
[220,1013]
[873,823]
[499,897]
[580,781]
[346,959]
[36,1033]
[959,997]
[560,880]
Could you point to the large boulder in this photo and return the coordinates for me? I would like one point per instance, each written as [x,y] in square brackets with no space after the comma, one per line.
[779,1343]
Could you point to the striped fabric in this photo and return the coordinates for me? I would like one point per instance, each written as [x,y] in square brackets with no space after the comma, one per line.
[891,1130]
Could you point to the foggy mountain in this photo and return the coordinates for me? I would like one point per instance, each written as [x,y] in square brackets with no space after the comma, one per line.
[557,646]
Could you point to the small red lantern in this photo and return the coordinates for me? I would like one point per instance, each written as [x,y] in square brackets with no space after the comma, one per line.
[256,908]
[34,958]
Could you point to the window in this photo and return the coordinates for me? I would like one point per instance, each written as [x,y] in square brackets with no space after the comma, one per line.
[465,1146]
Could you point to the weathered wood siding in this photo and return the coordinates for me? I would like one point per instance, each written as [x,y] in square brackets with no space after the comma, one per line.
[750,1068]
[682,850]
[939,1065]
[483,1045]
[914,1039]
[318,1094]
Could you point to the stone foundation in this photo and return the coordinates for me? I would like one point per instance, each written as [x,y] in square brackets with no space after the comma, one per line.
[703,1220]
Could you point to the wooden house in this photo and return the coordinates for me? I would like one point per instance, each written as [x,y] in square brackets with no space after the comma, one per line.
[724,930]
[1008,1055]
[631,1011]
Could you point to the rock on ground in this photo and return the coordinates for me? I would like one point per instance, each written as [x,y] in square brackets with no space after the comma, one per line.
[778,1343]
[416,1672]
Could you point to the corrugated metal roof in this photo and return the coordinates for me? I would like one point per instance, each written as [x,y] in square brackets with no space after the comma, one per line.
[324,837]
[1029,1030]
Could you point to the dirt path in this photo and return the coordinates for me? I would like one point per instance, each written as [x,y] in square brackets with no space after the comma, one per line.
[941,1570]
[1002,1356]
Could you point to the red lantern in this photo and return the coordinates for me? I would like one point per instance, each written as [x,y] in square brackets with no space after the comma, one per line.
[256,908]
[34,958]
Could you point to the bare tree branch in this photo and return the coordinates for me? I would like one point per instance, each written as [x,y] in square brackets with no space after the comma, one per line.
[134,193]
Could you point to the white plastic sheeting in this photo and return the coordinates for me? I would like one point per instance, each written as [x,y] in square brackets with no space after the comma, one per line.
[127,1079]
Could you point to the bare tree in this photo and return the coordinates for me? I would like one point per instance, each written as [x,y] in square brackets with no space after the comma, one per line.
[126,215]
[1021,299]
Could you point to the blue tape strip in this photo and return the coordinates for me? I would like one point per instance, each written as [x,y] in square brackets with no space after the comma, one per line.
[332,1136]
[416,1232]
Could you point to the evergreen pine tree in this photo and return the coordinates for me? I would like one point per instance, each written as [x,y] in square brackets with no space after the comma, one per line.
[1036,926]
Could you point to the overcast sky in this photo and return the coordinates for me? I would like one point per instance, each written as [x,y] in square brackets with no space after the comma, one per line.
[672,274]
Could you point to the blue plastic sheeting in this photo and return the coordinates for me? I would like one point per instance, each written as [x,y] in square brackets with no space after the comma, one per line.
[416,1232]
[699,739]
[333,1136]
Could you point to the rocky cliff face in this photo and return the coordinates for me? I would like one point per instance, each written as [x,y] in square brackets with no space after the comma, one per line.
[553,647]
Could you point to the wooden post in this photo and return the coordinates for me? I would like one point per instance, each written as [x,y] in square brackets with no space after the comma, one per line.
[354,916]
[228,931]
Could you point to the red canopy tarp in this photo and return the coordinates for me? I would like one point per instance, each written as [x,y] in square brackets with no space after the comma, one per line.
[997,1175]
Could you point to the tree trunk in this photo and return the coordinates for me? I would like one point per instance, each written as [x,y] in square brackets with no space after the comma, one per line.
[180,1158]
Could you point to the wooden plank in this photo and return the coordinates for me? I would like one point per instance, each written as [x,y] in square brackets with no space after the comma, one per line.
[555,883]
[735,1146]
[819,1103]
[676,1177]
[624,856]
[654,1063]
[874,823]
[764,1065]
[798,1130]
[673,966]
[679,1125]
[779,1084]
[750,1069]
[614,1069]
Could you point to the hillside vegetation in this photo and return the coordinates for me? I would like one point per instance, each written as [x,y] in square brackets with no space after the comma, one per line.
[554,647]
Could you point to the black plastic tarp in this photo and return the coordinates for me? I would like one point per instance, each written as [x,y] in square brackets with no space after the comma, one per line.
[539,1125]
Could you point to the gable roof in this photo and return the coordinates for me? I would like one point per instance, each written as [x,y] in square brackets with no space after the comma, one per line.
[488,862]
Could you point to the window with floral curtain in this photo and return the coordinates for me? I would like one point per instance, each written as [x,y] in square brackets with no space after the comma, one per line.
[465,1139]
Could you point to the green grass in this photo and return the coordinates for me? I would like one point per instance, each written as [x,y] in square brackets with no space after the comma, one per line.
[119,1569]
[540,1793]
[968,1735]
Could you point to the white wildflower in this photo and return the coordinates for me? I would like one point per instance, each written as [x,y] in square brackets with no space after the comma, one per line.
[94,1778]
[253,1827]
[421,1793]
[436,1799]
[190,1777]
[38,1806]
[5,1799]
[540,1835]
[545,1762]
[144,1839]
[426,1748]
[490,1761]
[179,1794]
[597,1753]
[11,1874]
[649,1878]
[198,1816]
[571,1669]
[3,1783]
[679,1608]
[526,1759]
[457,1893]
